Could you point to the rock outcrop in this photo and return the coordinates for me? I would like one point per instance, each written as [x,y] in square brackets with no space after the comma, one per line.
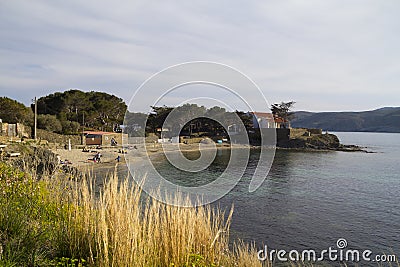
[318,142]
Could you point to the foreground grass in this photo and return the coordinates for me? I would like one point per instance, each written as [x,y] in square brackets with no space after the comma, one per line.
[58,223]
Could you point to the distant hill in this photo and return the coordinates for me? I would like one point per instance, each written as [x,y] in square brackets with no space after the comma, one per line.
[380,120]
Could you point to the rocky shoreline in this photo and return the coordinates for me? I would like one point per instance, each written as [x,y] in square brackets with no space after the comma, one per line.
[319,142]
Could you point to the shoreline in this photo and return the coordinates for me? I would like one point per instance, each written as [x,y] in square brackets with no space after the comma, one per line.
[83,160]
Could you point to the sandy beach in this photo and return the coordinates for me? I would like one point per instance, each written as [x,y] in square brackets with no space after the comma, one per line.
[84,160]
[78,158]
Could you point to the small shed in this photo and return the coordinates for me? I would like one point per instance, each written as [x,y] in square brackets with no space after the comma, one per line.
[99,138]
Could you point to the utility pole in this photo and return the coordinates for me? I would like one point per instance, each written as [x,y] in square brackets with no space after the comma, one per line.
[83,129]
[35,133]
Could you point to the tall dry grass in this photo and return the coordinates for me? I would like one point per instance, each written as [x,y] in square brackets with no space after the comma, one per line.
[118,228]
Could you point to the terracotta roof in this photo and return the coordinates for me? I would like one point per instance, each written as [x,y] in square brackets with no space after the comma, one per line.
[98,132]
[268,116]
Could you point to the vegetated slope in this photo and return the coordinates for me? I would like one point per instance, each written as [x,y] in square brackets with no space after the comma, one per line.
[380,120]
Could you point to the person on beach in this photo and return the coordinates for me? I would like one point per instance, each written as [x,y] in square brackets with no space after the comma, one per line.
[98,155]
[118,158]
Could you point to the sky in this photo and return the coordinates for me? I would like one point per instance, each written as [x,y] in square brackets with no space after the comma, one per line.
[327,55]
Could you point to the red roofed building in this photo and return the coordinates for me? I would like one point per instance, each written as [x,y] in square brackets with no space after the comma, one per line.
[264,120]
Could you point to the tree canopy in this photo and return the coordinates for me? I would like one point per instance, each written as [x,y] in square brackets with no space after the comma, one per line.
[283,110]
[96,110]
[12,111]
[205,120]
[49,123]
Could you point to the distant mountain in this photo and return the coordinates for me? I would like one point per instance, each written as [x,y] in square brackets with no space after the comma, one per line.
[385,119]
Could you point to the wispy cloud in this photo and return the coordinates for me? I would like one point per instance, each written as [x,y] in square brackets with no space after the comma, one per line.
[326,55]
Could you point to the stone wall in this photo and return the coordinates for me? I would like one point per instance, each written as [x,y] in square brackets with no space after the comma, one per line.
[14,130]
[298,132]
[58,138]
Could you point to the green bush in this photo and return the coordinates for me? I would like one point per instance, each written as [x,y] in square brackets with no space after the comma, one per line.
[49,123]
[70,127]
[27,219]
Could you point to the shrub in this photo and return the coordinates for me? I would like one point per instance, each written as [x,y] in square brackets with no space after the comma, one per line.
[49,123]
[70,127]
[27,218]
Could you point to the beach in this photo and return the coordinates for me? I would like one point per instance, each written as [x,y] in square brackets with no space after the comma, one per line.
[83,160]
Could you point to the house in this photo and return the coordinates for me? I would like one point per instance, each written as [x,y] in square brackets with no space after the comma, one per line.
[281,123]
[263,120]
[104,138]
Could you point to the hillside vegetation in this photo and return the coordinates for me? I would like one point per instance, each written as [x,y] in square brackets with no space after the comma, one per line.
[380,120]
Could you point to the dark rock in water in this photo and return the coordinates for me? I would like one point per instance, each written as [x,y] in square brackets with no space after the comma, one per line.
[318,142]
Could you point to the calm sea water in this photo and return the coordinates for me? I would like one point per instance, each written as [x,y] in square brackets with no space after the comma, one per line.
[311,199]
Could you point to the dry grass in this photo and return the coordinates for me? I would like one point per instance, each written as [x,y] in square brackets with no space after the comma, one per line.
[118,228]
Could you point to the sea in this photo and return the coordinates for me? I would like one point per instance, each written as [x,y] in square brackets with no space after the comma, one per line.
[312,199]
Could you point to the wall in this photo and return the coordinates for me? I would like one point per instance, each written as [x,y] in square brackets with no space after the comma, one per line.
[282,134]
[14,130]
[298,132]
[58,138]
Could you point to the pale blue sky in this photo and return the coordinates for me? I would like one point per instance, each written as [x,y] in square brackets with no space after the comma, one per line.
[327,55]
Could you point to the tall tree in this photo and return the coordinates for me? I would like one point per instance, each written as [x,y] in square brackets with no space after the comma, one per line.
[283,110]
[101,110]
[157,117]
[12,111]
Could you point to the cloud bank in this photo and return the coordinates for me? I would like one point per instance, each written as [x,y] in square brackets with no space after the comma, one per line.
[326,55]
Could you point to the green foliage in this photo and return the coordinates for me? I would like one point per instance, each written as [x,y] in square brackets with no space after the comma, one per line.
[12,111]
[27,218]
[95,109]
[70,127]
[196,260]
[283,110]
[49,123]
[206,122]
[67,262]
[246,119]
[157,118]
